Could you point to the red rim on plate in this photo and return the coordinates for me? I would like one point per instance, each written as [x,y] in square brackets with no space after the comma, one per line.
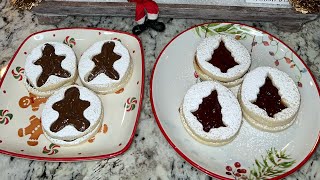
[210,173]
[67,159]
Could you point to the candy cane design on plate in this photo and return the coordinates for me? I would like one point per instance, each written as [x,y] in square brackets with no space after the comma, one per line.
[51,150]
[5,116]
[18,73]
[130,104]
[70,41]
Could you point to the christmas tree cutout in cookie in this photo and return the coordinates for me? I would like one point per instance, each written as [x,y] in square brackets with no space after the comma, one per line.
[51,65]
[269,99]
[209,112]
[222,58]
[70,110]
[104,62]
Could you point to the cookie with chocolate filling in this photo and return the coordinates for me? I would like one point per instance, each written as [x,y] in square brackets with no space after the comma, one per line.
[222,58]
[72,115]
[48,67]
[105,67]
[211,113]
[269,99]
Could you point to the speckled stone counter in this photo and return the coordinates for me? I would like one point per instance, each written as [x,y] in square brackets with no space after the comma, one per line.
[150,156]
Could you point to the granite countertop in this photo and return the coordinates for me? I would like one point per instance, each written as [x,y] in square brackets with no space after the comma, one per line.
[150,155]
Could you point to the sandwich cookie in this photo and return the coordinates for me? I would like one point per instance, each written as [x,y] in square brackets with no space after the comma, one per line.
[48,67]
[72,115]
[222,58]
[105,67]
[269,99]
[211,113]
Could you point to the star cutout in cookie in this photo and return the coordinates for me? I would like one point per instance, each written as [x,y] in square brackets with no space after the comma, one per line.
[222,58]
[209,112]
[104,62]
[51,65]
[70,110]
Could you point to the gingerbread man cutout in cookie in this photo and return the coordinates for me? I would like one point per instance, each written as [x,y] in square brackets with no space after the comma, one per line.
[32,101]
[34,129]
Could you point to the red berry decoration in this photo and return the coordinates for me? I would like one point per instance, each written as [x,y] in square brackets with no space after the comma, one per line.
[237,165]
[228,173]
[238,174]
[228,168]
[265,43]
[241,170]
[196,75]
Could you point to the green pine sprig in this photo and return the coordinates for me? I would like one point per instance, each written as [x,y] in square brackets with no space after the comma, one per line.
[212,29]
[271,165]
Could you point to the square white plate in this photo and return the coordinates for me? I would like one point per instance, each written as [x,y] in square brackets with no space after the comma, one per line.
[18,135]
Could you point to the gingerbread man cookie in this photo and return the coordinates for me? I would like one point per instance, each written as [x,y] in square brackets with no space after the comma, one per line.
[34,129]
[33,101]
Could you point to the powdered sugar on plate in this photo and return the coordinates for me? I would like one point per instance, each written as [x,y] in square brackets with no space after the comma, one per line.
[86,64]
[92,113]
[287,90]
[230,110]
[240,54]
[33,71]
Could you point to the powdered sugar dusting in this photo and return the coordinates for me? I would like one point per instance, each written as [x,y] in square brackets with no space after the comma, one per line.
[102,81]
[286,86]
[92,113]
[240,54]
[33,71]
[76,141]
[231,111]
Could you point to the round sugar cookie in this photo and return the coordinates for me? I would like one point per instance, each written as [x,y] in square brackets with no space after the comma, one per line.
[211,113]
[48,67]
[72,113]
[105,67]
[269,99]
[222,58]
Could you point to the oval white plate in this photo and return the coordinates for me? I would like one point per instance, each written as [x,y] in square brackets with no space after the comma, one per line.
[18,135]
[253,153]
